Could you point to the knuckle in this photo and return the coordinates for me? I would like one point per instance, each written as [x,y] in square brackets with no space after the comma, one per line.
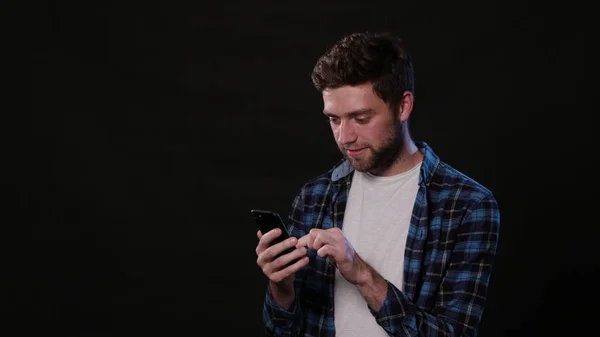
[267,254]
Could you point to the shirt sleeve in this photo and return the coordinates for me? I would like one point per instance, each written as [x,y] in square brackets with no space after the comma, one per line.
[463,290]
[278,321]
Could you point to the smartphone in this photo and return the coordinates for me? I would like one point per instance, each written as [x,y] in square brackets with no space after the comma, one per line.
[267,221]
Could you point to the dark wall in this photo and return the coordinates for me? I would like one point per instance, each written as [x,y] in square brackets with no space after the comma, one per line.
[155,128]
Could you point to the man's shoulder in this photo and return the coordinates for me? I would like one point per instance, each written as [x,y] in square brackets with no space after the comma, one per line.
[321,183]
[449,180]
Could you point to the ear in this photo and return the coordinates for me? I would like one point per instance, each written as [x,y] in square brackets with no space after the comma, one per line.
[405,106]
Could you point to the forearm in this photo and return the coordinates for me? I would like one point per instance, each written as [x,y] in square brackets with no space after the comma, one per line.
[283,294]
[373,287]
[397,314]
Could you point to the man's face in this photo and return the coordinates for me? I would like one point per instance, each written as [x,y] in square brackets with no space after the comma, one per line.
[366,131]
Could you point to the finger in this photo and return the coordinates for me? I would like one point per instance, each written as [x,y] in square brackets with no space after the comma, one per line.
[316,231]
[259,234]
[283,260]
[311,236]
[323,238]
[265,240]
[268,237]
[335,233]
[331,236]
[304,241]
[317,243]
[269,254]
[280,275]
[326,250]
[270,264]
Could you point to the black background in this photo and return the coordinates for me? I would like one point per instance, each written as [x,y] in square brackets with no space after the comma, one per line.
[156,127]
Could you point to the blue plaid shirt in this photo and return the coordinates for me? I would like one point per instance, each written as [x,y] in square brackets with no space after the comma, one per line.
[450,249]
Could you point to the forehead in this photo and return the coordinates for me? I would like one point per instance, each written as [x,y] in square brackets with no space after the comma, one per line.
[350,98]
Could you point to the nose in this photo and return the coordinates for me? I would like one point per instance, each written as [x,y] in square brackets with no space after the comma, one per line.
[345,133]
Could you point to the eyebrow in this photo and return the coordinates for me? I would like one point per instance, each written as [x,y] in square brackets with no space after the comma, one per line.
[351,114]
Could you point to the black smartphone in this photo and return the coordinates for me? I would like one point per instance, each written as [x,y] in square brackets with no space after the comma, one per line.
[267,221]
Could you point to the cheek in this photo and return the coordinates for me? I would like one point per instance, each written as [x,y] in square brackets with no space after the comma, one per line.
[369,133]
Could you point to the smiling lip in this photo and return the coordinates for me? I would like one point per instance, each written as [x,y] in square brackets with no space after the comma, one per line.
[356,152]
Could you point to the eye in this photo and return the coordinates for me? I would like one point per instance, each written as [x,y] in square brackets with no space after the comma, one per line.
[334,120]
[362,120]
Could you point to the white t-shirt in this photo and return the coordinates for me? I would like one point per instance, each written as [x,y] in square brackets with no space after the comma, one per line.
[376,223]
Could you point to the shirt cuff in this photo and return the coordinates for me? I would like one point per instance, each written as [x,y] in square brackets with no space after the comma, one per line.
[393,310]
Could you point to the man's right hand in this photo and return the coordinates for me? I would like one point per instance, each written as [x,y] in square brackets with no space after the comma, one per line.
[280,274]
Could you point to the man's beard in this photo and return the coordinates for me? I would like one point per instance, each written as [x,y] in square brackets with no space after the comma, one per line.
[382,157]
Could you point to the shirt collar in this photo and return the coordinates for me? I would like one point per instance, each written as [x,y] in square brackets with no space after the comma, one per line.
[428,167]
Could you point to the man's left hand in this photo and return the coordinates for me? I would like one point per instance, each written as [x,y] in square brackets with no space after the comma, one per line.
[332,244]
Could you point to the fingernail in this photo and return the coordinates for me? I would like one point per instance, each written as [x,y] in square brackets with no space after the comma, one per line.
[292,240]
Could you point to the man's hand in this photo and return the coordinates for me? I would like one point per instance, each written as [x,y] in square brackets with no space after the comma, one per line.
[279,271]
[275,269]
[332,243]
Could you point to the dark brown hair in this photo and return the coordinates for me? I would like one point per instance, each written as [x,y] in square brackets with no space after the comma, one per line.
[358,58]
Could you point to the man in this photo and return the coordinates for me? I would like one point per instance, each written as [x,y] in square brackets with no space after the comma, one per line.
[391,241]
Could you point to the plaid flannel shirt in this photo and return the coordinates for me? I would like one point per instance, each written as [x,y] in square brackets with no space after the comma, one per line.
[450,249]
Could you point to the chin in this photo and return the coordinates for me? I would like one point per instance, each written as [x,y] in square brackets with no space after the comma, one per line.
[362,165]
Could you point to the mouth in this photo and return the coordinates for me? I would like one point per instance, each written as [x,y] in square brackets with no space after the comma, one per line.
[356,152]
